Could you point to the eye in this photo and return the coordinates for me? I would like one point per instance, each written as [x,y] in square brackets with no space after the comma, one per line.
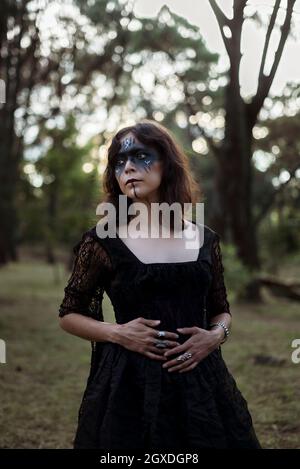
[141,156]
[119,161]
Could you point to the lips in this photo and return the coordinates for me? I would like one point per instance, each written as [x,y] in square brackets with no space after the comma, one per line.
[132,180]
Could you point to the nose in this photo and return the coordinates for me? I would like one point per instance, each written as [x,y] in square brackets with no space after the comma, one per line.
[129,166]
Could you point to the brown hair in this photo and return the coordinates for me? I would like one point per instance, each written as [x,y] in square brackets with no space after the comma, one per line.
[177,185]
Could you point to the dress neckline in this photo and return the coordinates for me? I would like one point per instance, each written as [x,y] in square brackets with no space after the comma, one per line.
[159,263]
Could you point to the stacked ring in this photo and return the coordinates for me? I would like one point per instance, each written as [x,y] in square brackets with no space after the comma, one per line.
[161,343]
[184,357]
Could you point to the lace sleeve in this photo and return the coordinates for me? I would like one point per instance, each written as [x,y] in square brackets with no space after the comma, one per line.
[217,302]
[91,270]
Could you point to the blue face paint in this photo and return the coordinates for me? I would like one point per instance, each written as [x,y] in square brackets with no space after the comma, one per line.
[140,155]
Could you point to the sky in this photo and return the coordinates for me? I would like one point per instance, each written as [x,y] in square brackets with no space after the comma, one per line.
[199,12]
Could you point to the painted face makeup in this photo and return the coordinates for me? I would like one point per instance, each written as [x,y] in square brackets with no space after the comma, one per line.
[139,154]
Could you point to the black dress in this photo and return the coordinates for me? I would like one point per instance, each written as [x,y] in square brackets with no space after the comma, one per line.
[130,401]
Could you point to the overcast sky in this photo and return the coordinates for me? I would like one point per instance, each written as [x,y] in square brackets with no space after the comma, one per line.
[198,12]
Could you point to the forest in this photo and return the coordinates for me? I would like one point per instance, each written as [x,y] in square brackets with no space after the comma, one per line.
[71,74]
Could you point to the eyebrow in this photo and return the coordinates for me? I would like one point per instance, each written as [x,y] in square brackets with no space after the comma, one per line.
[133,148]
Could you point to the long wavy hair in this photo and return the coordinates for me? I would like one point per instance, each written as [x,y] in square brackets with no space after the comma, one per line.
[177,184]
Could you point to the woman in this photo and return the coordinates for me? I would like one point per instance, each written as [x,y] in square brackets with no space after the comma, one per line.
[157,377]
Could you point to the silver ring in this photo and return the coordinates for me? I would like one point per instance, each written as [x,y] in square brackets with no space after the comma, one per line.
[184,357]
[161,334]
[161,344]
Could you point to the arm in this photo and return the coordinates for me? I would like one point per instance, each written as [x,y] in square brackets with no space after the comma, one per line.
[91,268]
[217,303]
[217,331]
[89,328]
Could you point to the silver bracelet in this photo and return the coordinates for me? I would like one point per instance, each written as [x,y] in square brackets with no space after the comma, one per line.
[225,329]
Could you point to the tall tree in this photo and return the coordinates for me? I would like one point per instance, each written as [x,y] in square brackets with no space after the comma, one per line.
[21,68]
[234,175]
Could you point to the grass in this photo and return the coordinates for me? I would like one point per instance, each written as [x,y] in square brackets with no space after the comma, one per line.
[45,375]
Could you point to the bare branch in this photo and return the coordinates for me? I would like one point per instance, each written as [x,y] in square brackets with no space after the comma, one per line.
[266,81]
[285,32]
[267,41]
[222,20]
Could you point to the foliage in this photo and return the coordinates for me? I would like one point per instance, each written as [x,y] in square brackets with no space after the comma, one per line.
[236,275]
[65,203]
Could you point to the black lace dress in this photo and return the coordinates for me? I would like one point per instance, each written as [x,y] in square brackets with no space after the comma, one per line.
[130,401]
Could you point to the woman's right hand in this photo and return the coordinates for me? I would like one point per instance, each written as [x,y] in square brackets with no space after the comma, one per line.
[139,336]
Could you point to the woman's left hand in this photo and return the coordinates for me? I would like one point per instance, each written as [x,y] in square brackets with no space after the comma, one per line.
[200,344]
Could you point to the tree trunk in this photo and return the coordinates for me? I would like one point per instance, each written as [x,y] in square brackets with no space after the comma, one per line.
[9,159]
[234,186]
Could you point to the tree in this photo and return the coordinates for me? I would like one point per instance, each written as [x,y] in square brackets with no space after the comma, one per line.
[22,66]
[234,174]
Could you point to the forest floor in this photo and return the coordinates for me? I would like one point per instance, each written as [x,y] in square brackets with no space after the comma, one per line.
[46,368]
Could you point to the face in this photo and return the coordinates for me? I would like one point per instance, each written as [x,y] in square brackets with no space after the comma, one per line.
[142,163]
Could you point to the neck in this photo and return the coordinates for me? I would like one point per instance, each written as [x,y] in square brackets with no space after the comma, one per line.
[149,220]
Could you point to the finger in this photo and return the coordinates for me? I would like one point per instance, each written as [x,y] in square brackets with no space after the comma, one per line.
[176,361]
[170,343]
[181,366]
[154,356]
[156,350]
[150,322]
[171,363]
[161,350]
[186,330]
[188,368]
[179,349]
[168,335]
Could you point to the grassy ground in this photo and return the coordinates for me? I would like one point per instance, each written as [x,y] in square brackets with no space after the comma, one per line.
[45,375]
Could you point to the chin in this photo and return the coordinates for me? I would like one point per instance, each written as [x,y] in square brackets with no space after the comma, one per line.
[139,193]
